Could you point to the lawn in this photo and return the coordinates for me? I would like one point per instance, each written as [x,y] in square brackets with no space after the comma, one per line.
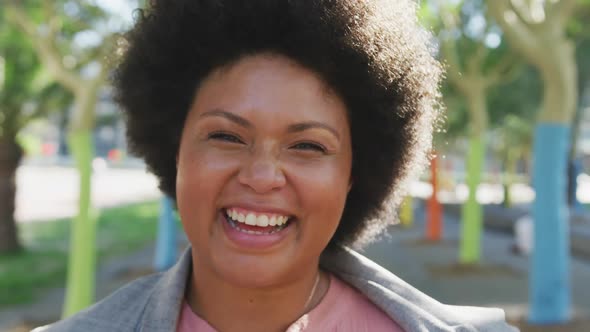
[43,262]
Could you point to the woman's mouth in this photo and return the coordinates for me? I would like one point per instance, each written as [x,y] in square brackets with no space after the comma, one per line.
[254,223]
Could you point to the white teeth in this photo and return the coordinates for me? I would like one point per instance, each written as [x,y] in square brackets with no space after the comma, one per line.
[261,220]
[251,219]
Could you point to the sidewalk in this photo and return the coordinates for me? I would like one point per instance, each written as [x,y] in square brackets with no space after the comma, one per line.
[500,281]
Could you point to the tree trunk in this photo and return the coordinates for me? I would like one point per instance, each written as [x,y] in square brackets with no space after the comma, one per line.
[549,281]
[471,214]
[10,157]
[166,241]
[82,258]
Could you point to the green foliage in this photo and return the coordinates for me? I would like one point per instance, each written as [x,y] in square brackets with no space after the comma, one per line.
[519,98]
[26,91]
[466,25]
[578,27]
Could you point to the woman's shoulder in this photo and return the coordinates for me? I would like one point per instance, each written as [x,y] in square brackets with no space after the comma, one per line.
[152,301]
[113,313]
[410,308]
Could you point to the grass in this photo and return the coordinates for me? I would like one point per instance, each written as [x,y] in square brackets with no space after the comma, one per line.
[43,262]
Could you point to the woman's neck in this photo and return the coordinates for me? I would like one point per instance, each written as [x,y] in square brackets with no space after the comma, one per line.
[231,308]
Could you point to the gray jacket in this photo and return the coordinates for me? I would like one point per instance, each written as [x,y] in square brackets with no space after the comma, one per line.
[153,303]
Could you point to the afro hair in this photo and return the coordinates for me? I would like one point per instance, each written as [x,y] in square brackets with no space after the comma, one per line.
[372,53]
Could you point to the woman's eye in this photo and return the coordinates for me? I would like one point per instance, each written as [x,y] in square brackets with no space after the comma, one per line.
[309,147]
[225,137]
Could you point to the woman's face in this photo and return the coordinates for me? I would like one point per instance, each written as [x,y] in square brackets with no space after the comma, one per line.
[265,142]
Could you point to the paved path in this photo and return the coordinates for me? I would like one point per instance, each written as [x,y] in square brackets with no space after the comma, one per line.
[501,281]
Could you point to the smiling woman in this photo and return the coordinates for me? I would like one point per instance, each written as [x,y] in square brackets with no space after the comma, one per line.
[286,131]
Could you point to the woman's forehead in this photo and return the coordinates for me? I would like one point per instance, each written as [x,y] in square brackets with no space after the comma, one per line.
[274,86]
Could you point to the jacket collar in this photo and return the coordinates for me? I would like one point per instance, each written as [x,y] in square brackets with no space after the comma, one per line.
[411,309]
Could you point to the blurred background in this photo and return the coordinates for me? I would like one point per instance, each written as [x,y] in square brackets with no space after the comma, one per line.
[501,218]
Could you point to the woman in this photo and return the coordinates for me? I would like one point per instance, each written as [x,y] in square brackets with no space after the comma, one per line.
[285,130]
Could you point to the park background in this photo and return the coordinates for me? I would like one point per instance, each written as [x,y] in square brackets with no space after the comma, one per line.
[79,216]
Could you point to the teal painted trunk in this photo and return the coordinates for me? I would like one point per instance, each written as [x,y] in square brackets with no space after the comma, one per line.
[549,284]
[166,243]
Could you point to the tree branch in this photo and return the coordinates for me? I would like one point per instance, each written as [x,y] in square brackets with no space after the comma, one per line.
[475,62]
[46,50]
[449,48]
[515,30]
[522,10]
[449,52]
[505,71]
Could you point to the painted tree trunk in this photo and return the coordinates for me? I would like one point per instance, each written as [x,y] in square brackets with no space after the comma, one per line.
[82,259]
[548,48]
[550,293]
[406,213]
[434,222]
[549,282]
[471,214]
[10,157]
[166,244]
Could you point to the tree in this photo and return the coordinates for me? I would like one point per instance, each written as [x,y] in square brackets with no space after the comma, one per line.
[515,106]
[25,94]
[538,31]
[473,68]
[56,31]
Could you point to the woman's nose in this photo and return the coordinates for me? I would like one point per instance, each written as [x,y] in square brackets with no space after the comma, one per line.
[262,173]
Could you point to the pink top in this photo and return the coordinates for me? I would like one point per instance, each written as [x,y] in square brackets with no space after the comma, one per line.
[342,309]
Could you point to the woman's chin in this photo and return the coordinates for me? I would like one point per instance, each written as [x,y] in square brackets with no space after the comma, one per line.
[252,272]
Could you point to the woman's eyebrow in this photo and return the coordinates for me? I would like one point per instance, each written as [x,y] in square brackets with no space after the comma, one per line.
[228,115]
[312,124]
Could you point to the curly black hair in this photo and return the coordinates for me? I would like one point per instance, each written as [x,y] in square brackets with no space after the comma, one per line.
[372,53]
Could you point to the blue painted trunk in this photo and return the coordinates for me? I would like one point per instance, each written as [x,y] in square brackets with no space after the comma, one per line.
[549,284]
[166,243]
